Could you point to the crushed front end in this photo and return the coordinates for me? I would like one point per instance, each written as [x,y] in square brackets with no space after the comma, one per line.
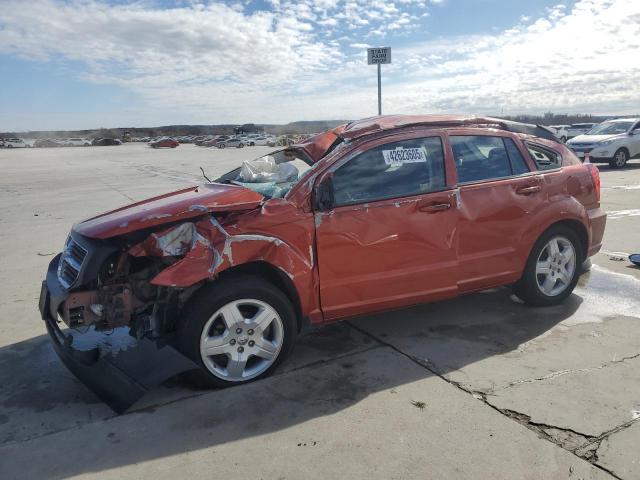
[109,325]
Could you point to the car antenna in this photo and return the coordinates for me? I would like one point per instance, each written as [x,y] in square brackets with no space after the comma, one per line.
[205,175]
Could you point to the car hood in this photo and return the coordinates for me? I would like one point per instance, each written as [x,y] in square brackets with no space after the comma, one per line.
[593,138]
[180,205]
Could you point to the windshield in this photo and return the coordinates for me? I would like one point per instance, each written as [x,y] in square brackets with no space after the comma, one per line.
[271,175]
[610,128]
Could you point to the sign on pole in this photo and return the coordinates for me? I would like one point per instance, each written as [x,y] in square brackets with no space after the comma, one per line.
[378,56]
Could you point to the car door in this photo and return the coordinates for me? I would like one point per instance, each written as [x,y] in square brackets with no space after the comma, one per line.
[497,193]
[388,238]
[634,141]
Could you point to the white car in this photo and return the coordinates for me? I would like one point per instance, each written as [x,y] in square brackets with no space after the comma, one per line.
[16,143]
[78,142]
[613,142]
[560,131]
[576,129]
[261,141]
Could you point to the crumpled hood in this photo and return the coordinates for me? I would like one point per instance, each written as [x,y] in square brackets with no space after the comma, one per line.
[180,205]
[593,138]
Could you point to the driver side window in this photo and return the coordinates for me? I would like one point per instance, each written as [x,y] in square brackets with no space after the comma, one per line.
[398,169]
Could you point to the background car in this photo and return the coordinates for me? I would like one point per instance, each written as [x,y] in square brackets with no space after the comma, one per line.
[613,142]
[16,143]
[560,131]
[576,129]
[230,142]
[104,142]
[78,142]
[164,143]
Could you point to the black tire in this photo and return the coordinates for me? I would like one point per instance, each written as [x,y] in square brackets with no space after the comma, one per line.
[208,300]
[221,145]
[241,145]
[527,288]
[620,158]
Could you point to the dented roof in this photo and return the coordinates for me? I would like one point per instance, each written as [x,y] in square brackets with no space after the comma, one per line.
[317,147]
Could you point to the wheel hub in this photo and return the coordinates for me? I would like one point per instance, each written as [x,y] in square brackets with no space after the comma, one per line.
[241,340]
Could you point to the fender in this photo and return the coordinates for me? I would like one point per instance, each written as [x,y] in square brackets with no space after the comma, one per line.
[559,208]
[209,249]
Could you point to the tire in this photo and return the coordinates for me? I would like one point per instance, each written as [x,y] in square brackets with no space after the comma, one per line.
[241,145]
[562,278]
[203,315]
[222,145]
[620,158]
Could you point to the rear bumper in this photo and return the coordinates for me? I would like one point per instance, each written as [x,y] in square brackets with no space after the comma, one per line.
[116,367]
[597,223]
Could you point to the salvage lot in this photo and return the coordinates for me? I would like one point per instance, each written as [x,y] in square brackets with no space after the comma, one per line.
[432,391]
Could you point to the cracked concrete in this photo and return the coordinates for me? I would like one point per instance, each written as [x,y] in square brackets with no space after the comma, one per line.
[504,391]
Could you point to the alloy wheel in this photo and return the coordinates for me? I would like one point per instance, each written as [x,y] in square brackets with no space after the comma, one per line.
[241,340]
[621,158]
[556,266]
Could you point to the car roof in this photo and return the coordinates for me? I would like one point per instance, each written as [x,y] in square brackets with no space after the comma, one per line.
[622,120]
[318,146]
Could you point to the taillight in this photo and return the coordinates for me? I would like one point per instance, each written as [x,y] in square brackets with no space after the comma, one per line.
[595,177]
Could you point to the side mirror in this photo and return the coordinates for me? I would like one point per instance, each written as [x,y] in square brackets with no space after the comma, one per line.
[323,197]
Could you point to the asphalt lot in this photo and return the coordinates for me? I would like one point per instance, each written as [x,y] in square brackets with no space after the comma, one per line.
[479,387]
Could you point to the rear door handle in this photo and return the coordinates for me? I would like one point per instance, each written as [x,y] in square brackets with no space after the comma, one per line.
[434,207]
[528,190]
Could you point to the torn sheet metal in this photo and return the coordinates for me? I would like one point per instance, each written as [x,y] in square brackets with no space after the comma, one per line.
[208,247]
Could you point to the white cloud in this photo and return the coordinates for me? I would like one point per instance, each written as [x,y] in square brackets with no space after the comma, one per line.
[217,63]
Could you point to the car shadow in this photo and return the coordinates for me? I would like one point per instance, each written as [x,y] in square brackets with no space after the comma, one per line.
[333,368]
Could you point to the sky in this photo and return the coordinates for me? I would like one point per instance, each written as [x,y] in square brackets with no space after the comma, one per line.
[73,64]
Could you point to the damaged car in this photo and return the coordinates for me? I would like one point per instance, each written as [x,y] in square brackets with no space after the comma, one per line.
[217,281]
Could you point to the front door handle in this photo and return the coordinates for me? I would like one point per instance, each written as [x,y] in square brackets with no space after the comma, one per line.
[434,207]
[528,190]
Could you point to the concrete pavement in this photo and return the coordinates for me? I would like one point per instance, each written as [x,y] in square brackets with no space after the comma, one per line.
[477,387]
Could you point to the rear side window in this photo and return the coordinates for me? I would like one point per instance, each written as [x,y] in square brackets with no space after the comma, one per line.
[544,158]
[398,169]
[518,164]
[483,157]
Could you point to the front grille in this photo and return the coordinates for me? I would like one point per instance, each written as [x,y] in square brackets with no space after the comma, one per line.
[71,262]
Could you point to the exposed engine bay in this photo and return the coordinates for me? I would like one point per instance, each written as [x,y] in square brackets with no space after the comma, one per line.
[123,295]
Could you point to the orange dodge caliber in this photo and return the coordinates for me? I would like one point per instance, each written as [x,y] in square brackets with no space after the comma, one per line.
[218,280]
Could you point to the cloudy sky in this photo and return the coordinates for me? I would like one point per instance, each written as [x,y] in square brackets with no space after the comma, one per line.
[99,63]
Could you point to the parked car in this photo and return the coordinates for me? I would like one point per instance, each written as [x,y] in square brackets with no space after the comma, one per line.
[106,142]
[16,143]
[231,142]
[560,131]
[164,143]
[77,142]
[576,129]
[47,143]
[396,211]
[260,141]
[613,142]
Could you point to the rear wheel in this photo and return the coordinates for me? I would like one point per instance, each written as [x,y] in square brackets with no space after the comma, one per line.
[238,329]
[552,269]
[619,159]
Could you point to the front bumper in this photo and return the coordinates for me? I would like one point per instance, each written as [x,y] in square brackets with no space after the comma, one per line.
[118,372]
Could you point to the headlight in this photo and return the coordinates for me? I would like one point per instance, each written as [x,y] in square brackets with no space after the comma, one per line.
[605,142]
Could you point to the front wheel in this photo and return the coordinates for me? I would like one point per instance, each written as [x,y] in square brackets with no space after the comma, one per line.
[552,269]
[619,159]
[237,329]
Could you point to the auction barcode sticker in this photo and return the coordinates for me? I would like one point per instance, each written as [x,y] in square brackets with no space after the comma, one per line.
[401,155]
